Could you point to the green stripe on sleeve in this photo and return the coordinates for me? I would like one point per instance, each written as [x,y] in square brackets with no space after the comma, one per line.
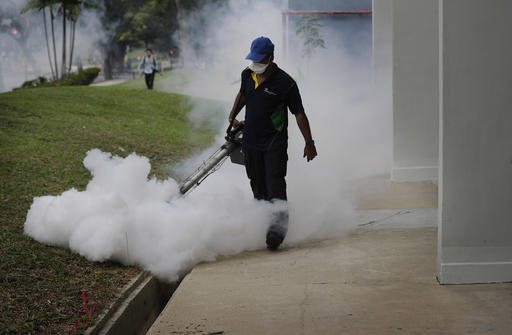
[278,117]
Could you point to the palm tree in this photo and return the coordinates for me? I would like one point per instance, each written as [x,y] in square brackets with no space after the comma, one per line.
[70,11]
[62,11]
[47,43]
[41,6]
[75,8]
[73,17]
[52,19]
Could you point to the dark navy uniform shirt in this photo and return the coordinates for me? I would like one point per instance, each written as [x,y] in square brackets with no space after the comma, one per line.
[266,117]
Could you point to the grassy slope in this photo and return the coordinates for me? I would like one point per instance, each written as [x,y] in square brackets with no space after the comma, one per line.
[44,135]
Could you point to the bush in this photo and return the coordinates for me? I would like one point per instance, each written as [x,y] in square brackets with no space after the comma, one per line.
[39,81]
[83,77]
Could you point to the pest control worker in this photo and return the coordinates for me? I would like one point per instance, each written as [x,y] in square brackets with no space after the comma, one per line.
[148,62]
[267,92]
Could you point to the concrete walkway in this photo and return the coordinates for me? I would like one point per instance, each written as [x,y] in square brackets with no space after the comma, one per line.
[379,192]
[377,280]
[109,82]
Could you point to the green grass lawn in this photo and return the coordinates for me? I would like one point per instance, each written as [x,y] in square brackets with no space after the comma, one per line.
[44,136]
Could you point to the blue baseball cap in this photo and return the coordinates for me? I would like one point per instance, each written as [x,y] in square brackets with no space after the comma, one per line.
[260,47]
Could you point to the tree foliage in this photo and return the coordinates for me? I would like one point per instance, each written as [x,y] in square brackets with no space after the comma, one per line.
[148,22]
[308,29]
[159,24]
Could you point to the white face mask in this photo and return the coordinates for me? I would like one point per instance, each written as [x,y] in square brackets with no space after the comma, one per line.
[258,68]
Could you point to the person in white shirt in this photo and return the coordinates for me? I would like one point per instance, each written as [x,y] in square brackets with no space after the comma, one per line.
[148,62]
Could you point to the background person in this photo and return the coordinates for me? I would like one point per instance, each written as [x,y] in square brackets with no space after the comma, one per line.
[268,92]
[148,62]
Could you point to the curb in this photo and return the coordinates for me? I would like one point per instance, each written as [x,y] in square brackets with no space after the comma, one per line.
[138,306]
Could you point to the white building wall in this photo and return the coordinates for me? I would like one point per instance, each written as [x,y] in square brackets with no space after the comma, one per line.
[382,52]
[415,90]
[475,228]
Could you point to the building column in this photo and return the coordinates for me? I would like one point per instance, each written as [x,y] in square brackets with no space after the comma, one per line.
[415,90]
[475,203]
[382,53]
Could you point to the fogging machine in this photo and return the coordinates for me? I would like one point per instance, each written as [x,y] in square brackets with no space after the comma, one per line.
[232,147]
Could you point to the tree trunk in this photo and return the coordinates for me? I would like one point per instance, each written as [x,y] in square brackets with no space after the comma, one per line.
[47,44]
[107,69]
[63,65]
[2,87]
[52,17]
[72,41]
[109,48]
[109,63]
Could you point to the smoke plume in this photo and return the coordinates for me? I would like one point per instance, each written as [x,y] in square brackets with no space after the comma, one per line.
[125,216]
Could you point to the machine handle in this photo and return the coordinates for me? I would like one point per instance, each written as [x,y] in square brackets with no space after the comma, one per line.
[232,132]
[228,131]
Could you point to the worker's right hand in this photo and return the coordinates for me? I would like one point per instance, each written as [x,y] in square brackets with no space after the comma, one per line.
[310,152]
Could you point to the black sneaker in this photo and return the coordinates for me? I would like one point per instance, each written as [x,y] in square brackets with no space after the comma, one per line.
[273,240]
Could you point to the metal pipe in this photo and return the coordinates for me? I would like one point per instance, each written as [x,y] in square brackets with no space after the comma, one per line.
[328,12]
[209,165]
[285,18]
[233,142]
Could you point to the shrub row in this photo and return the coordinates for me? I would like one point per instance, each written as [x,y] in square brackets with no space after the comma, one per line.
[83,77]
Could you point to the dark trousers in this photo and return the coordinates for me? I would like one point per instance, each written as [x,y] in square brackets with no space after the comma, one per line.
[150,77]
[267,171]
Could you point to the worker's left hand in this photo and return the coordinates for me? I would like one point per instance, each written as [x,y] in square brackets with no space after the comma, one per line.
[310,152]
[236,123]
